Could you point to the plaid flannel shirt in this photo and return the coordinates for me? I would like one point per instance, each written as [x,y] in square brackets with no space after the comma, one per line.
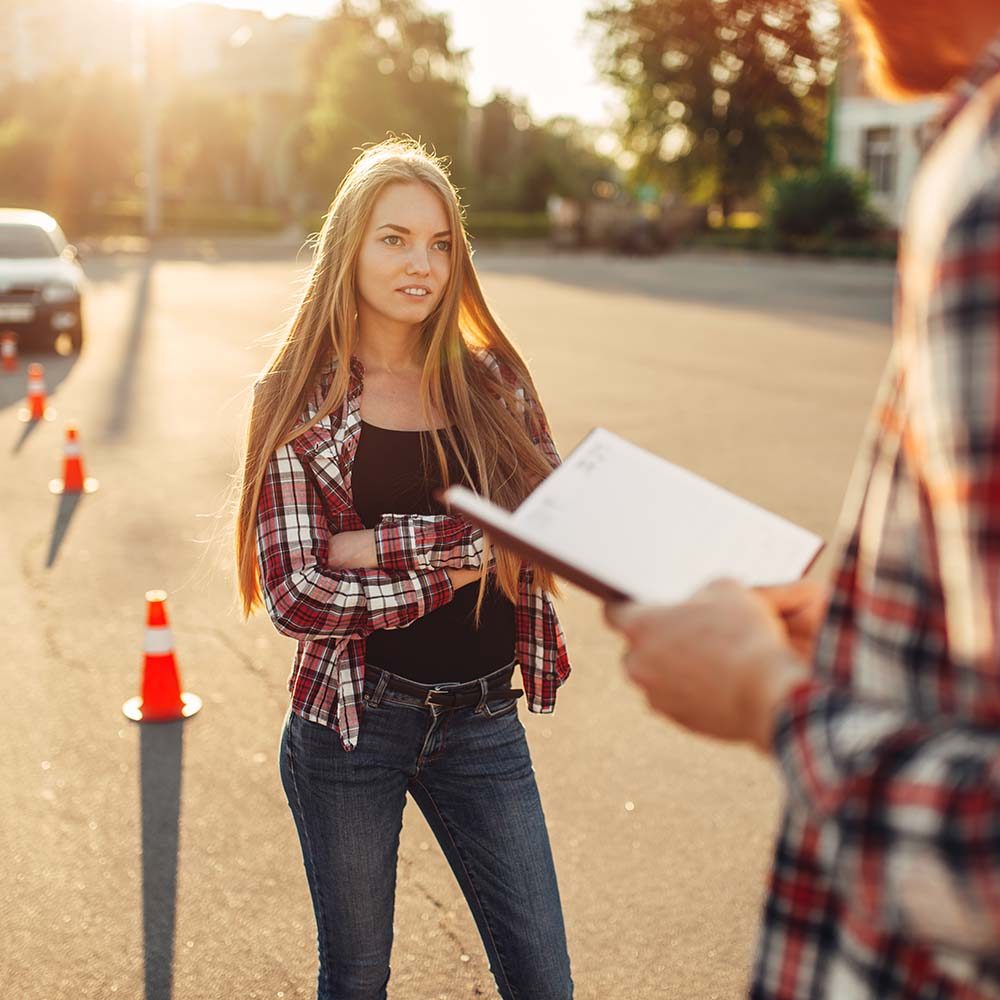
[306,497]
[886,879]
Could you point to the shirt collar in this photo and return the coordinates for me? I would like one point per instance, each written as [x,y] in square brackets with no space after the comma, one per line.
[963,89]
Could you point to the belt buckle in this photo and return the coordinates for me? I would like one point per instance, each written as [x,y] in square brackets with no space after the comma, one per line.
[430,694]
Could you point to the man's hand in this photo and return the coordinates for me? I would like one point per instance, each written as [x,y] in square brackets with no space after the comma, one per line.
[802,606]
[352,550]
[718,664]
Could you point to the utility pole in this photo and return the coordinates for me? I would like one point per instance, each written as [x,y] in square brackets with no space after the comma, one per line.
[830,152]
[150,122]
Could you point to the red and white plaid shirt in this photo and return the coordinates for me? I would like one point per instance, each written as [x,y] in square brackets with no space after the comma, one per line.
[306,497]
[886,880]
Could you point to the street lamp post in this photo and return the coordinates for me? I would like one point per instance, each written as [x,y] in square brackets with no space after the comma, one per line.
[150,123]
[832,96]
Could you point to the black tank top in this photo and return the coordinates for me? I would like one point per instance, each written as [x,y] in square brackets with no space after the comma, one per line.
[389,477]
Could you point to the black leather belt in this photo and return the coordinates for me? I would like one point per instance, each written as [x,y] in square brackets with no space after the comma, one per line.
[450,697]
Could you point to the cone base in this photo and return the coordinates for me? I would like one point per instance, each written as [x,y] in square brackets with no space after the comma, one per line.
[190,704]
[24,415]
[58,486]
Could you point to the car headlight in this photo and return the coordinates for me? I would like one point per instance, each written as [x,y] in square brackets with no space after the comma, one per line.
[60,292]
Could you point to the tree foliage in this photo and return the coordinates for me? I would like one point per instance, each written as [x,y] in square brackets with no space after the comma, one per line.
[519,163]
[378,67]
[68,144]
[720,94]
[204,142]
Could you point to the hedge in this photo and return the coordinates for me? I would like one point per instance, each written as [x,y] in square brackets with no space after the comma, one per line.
[487,225]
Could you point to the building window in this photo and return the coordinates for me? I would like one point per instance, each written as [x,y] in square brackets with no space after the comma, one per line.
[880,159]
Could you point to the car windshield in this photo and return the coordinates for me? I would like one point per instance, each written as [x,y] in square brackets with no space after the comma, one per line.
[18,242]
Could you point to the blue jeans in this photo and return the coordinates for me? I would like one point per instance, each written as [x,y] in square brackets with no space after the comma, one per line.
[469,771]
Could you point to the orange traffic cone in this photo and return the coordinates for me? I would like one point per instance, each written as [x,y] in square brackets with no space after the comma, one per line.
[37,408]
[8,352]
[162,699]
[73,480]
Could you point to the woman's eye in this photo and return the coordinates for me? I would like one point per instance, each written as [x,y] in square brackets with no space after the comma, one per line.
[385,239]
[444,245]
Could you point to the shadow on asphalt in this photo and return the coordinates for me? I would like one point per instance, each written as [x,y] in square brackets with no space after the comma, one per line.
[124,389]
[26,431]
[161,747]
[68,503]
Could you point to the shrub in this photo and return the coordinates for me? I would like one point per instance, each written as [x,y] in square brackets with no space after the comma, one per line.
[486,226]
[184,219]
[830,203]
[508,225]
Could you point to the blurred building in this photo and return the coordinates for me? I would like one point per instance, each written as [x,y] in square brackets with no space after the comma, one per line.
[48,37]
[877,137]
[255,60]
[241,55]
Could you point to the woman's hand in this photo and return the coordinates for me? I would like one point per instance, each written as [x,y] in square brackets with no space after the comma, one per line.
[352,550]
[462,577]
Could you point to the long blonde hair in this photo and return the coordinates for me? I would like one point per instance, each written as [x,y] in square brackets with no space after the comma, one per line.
[506,466]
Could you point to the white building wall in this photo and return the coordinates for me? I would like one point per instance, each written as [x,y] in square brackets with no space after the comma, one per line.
[856,115]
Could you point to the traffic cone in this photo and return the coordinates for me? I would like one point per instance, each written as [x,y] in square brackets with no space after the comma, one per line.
[73,480]
[8,352]
[162,699]
[37,408]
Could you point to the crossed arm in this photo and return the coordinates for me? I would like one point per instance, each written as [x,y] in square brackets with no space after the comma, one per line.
[431,541]
[404,542]
[308,598]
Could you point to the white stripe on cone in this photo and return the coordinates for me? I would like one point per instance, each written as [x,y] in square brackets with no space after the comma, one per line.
[71,449]
[158,640]
[36,386]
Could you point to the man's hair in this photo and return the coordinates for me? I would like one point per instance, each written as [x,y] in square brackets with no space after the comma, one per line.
[912,46]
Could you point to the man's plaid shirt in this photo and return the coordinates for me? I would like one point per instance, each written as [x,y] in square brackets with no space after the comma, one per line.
[306,497]
[886,881]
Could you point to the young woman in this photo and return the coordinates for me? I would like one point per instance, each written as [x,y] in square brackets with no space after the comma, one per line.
[393,381]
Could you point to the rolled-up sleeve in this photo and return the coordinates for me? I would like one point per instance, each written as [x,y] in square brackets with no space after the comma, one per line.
[427,541]
[304,597]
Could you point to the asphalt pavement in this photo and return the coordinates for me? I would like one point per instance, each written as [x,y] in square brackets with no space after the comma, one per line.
[161,862]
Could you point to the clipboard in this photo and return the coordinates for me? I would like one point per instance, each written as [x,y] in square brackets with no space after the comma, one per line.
[626,524]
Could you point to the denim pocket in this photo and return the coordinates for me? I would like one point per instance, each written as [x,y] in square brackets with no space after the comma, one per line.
[498,709]
[388,701]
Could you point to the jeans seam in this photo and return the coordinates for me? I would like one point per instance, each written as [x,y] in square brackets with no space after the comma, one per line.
[311,867]
[387,703]
[472,885]
[511,709]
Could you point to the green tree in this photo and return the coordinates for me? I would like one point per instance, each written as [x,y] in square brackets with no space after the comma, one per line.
[25,153]
[204,140]
[521,163]
[96,146]
[721,94]
[377,67]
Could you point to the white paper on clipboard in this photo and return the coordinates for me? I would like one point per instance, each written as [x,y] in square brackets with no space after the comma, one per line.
[624,522]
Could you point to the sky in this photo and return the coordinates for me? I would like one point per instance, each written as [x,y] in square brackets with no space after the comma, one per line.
[538,50]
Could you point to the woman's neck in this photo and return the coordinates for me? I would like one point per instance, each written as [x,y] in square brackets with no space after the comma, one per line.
[389,347]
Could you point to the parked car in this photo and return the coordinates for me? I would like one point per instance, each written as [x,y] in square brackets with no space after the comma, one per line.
[41,281]
[623,225]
